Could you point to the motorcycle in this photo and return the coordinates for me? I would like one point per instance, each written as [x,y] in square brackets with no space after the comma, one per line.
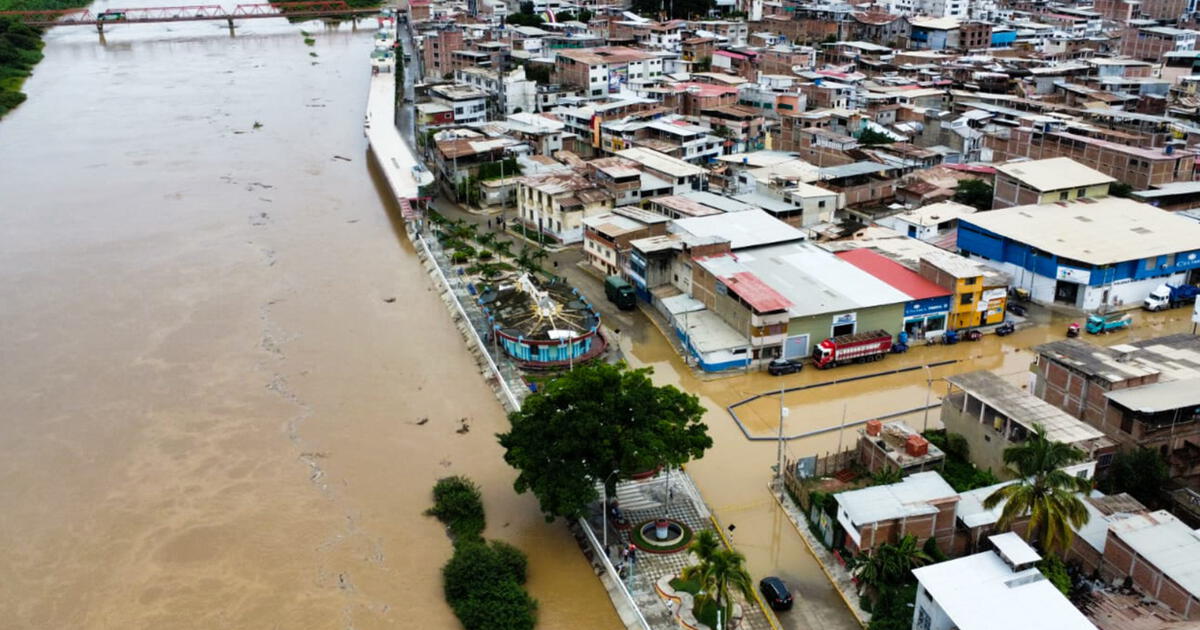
[1073,329]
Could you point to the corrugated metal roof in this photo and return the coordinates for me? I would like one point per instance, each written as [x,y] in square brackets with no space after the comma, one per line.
[1158,397]
[893,273]
[755,292]
[1024,408]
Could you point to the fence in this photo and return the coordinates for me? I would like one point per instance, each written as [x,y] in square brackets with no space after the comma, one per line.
[601,553]
[816,467]
[513,390]
[512,386]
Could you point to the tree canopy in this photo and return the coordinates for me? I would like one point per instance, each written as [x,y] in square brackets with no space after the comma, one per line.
[870,136]
[1044,492]
[974,192]
[597,420]
[1142,473]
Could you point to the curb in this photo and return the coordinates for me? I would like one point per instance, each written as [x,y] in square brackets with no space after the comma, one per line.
[768,613]
[813,553]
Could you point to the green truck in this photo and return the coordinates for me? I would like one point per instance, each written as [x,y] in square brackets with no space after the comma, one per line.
[620,292]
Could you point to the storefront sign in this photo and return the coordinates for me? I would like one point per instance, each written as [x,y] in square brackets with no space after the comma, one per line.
[994,294]
[939,304]
[845,318]
[1071,274]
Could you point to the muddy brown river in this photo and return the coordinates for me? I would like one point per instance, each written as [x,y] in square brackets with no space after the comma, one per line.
[211,403]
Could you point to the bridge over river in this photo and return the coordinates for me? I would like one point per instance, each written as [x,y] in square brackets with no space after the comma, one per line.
[191,13]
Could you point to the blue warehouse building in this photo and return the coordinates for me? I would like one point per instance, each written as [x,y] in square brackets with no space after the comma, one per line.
[1085,253]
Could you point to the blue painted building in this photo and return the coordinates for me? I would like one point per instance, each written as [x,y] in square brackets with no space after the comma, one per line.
[1086,253]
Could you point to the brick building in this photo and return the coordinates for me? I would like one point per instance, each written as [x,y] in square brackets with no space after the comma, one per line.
[1141,168]
[922,505]
[1162,557]
[1143,394]
[437,49]
[1151,43]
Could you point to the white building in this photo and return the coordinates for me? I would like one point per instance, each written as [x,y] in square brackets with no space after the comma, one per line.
[470,103]
[927,223]
[993,590]
[1085,252]
[681,175]
[520,94]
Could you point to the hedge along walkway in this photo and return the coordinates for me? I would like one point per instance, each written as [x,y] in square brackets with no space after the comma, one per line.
[854,423]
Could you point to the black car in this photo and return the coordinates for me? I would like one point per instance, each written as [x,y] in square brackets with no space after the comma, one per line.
[776,593]
[779,367]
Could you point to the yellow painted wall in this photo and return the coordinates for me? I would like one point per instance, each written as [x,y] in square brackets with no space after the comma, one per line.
[1092,192]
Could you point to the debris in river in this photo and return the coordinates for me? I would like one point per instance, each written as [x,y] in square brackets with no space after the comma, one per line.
[342,157]
[389,300]
[464,428]
[422,422]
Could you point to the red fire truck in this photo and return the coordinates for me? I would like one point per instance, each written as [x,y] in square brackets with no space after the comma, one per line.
[856,348]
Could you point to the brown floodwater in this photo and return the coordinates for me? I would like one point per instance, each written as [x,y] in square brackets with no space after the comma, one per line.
[733,475]
[212,405]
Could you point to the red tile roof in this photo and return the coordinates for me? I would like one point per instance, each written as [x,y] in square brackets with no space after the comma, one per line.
[755,292]
[900,277]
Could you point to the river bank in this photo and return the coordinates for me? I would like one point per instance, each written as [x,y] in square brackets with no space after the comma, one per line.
[213,409]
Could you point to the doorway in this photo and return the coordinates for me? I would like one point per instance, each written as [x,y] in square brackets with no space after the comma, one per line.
[1066,292]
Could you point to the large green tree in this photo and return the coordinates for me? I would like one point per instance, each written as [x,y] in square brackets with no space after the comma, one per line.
[974,192]
[1140,472]
[1044,493]
[599,423]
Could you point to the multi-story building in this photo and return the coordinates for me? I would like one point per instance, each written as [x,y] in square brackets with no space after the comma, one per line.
[470,104]
[519,94]
[607,237]
[1137,166]
[992,415]
[556,204]
[730,33]
[437,48]
[1152,42]
[1141,394]
[1029,182]
[601,71]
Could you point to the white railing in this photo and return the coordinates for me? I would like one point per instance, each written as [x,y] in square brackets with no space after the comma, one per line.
[612,573]
[513,403]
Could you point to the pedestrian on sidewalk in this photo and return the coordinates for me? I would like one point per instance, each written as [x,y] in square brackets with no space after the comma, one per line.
[489,224]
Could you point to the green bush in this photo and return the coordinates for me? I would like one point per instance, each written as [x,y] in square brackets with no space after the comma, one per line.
[485,254]
[482,584]
[957,469]
[457,503]
[513,560]
[1053,568]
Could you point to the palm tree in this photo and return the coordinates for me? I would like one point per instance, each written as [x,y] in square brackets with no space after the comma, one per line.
[889,564]
[525,260]
[487,239]
[1044,492]
[728,570]
[503,249]
[705,545]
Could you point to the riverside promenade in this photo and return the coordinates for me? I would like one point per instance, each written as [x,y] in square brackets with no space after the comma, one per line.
[393,155]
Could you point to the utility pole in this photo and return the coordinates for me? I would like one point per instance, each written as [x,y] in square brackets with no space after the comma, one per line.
[783,413]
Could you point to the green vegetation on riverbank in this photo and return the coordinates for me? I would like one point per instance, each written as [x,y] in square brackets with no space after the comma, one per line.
[482,581]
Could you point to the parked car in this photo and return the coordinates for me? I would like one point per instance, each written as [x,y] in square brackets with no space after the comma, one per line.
[776,593]
[779,367]
[1006,328]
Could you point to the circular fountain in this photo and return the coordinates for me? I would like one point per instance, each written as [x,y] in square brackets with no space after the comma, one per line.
[661,535]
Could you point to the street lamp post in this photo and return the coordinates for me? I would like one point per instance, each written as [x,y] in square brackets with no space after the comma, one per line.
[604,511]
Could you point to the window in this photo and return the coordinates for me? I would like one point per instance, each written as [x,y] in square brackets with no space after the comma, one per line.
[970,281]
[966,299]
[820,204]
[1081,192]
[1127,423]
[1062,196]
[923,619]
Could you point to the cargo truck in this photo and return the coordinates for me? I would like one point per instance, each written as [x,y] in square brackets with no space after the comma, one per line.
[620,292]
[1097,324]
[856,348]
[1167,296]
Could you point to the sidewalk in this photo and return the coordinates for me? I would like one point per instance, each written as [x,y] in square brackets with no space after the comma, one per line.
[834,570]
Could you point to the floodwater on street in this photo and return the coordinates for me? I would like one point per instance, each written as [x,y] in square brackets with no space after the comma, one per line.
[733,475]
[220,356]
